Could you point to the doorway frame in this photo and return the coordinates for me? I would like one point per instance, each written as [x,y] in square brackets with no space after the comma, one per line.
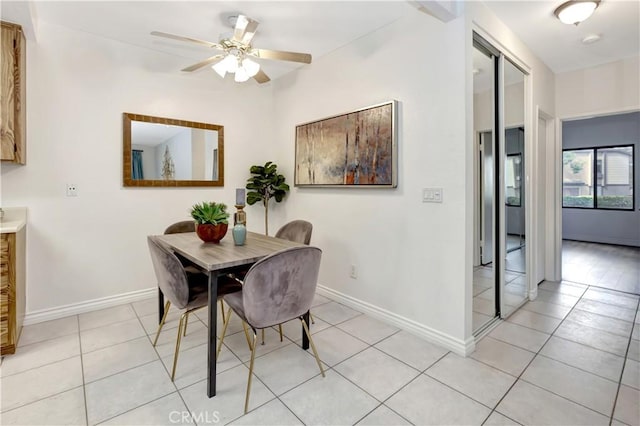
[556,263]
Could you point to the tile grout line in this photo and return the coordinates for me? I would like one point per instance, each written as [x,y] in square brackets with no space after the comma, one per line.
[331,368]
[159,358]
[534,357]
[624,365]
[552,335]
[84,386]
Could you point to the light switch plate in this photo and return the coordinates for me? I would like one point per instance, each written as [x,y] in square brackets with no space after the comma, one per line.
[432,195]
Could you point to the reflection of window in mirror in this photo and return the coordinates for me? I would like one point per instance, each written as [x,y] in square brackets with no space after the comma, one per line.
[513,176]
[169,152]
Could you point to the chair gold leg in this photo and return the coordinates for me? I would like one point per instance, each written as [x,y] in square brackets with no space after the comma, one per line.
[263,336]
[186,320]
[164,317]
[224,331]
[313,346]
[313,321]
[280,330]
[253,356]
[222,310]
[175,355]
[246,334]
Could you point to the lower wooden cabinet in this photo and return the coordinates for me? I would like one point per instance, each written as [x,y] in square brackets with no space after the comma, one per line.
[12,289]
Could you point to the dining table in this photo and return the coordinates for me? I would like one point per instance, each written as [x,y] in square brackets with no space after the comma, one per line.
[217,259]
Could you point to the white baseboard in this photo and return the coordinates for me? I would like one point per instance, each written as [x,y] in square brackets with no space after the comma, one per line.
[87,306]
[460,347]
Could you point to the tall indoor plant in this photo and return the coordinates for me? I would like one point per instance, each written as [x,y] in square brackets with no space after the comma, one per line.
[264,185]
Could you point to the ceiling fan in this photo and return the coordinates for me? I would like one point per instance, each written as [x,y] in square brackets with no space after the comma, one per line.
[237,53]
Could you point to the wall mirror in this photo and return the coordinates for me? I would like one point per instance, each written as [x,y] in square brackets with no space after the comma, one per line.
[162,152]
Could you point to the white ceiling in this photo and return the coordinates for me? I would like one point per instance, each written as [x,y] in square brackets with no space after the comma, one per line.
[559,45]
[319,27]
[303,26]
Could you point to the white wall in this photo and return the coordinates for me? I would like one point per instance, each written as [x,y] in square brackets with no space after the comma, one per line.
[407,253]
[605,89]
[78,86]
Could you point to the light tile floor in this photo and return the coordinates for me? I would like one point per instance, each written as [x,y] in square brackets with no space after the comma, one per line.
[571,357]
[484,294]
[593,264]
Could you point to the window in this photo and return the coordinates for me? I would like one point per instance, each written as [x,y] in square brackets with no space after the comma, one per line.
[600,178]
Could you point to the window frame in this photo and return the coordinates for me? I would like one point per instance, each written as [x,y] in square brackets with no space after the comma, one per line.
[594,177]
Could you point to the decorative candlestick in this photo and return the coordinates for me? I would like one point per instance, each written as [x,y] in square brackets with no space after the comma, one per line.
[240,216]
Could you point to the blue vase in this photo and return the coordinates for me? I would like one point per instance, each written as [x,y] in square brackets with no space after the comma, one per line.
[239,234]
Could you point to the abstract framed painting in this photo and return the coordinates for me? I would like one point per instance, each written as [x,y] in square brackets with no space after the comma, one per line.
[355,149]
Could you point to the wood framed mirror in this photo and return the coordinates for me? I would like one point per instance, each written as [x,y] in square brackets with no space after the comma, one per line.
[166,152]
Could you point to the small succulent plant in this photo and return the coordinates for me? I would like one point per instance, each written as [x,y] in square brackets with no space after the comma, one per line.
[210,212]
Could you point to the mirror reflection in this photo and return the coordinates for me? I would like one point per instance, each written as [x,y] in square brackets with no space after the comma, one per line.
[515,286]
[484,268]
[168,152]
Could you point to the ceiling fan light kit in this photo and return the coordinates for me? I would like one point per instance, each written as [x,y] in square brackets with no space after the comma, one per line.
[575,11]
[237,53]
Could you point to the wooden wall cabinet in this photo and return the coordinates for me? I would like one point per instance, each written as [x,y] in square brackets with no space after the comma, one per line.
[12,289]
[13,63]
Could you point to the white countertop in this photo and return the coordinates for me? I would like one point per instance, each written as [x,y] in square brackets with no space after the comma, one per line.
[13,220]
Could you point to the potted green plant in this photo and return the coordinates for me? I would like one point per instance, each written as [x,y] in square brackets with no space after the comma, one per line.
[211,221]
[264,185]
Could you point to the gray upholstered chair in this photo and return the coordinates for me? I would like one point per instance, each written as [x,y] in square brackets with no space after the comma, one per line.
[300,232]
[276,289]
[190,267]
[296,230]
[185,290]
[181,227]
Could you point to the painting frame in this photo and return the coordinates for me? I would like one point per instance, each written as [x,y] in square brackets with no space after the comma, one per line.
[356,149]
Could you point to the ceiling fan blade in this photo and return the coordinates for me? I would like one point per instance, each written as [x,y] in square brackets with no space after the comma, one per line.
[203,63]
[189,39]
[261,77]
[304,58]
[245,29]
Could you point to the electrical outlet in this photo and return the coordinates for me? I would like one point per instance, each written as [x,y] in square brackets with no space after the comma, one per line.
[72,190]
[353,273]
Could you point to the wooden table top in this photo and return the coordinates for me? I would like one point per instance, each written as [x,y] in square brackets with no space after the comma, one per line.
[226,254]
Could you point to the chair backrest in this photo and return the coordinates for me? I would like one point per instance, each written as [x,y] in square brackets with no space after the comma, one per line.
[181,227]
[296,230]
[280,287]
[172,279]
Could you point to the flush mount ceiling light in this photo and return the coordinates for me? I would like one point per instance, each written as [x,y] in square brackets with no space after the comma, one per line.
[575,11]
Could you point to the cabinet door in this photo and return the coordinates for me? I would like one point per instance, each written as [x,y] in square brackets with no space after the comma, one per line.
[12,94]
[7,294]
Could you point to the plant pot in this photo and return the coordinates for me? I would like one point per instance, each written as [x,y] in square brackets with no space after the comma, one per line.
[211,233]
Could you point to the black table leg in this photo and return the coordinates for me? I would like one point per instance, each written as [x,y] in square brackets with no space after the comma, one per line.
[160,305]
[213,326]
[305,339]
